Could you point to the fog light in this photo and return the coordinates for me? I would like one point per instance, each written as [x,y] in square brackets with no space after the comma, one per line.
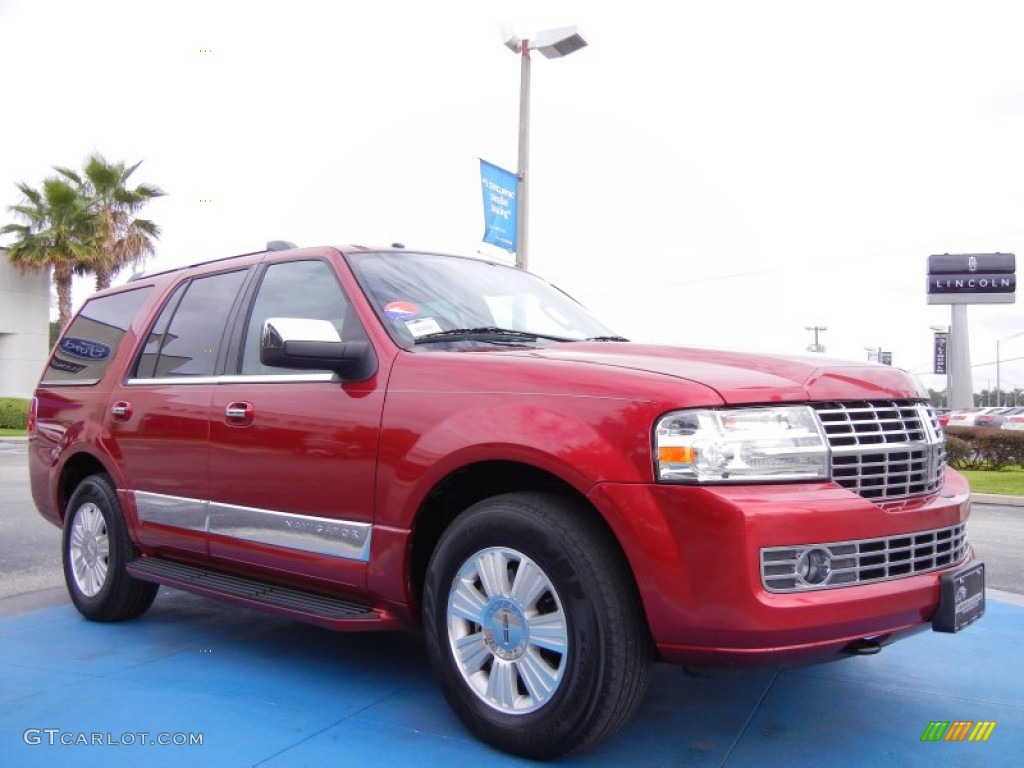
[814,566]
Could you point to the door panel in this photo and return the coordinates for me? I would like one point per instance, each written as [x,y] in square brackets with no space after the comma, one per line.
[158,420]
[298,477]
[292,453]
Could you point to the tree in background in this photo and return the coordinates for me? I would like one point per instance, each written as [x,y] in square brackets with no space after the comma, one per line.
[55,233]
[120,238]
[82,223]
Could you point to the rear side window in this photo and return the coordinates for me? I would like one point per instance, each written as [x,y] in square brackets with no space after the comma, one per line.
[85,351]
[186,338]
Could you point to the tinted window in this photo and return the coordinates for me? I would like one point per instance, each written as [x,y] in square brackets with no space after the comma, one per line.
[85,351]
[306,289]
[186,338]
[146,367]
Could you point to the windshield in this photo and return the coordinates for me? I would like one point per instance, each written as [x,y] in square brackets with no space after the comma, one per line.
[433,301]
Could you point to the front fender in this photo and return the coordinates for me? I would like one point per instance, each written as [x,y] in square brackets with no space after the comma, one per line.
[581,440]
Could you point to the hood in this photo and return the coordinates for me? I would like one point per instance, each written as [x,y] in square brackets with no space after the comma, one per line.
[741,377]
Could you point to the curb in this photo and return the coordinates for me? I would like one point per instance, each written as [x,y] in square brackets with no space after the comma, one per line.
[994,498]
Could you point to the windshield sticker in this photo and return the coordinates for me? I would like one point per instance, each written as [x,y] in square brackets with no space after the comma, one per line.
[401,310]
[422,327]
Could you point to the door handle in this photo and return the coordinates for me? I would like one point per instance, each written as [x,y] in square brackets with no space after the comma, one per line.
[239,413]
[121,410]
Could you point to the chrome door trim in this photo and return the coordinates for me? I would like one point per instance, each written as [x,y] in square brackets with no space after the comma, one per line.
[306,533]
[175,511]
[256,378]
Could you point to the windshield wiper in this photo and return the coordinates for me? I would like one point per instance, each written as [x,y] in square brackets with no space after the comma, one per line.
[607,338]
[485,333]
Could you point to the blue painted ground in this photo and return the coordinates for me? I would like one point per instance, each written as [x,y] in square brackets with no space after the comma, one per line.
[262,691]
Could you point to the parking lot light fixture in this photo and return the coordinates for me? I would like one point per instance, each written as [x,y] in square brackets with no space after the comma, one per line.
[553,44]
[999,392]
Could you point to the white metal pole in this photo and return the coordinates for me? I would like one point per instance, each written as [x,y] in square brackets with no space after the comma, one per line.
[522,185]
[961,383]
[998,390]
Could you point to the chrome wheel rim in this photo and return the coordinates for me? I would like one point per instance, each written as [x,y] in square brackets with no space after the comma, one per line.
[507,630]
[89,551]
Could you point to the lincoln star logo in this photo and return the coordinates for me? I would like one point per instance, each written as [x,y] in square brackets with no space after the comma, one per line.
[972,263]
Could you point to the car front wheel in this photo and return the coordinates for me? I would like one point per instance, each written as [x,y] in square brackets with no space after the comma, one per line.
[533,625]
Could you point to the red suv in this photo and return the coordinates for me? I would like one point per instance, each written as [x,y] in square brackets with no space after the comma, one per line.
[381,439]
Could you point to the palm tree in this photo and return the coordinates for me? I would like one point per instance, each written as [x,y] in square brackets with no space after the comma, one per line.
[119,238]
[55,235]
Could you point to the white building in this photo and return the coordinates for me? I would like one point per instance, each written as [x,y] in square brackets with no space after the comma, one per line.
[24,328]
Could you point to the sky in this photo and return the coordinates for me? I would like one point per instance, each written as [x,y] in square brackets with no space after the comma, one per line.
[721,174]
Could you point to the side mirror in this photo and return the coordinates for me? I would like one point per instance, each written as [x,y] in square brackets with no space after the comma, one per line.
[293,342]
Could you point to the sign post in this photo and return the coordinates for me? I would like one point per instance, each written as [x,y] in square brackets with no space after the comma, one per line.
[959,280]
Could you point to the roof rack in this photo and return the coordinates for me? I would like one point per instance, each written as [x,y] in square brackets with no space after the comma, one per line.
[273,245]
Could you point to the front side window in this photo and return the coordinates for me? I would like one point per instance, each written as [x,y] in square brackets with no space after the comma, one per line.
[300,289]
[85,351]
[186,338]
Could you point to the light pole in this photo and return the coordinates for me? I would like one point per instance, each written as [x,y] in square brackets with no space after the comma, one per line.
[553,43]
[999,392]
[816,346]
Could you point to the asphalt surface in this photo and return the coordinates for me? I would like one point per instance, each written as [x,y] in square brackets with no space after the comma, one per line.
[29,546]
[259,690]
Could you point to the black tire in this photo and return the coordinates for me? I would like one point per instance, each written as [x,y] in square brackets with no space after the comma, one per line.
[96,549]
[567,583]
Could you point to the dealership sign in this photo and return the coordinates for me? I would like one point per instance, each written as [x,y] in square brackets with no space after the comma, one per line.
[941,348]
[978,278]
[500,209]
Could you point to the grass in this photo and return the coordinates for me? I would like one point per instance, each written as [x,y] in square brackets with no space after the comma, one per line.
[5,432]
[1009,481]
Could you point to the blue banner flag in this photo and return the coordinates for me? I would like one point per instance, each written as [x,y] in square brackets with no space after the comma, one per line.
[500,210]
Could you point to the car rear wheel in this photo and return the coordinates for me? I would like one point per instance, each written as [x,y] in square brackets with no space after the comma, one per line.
[96,551]
[534,627]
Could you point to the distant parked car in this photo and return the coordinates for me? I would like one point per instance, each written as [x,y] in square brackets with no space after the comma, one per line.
[965,417]
[993,418]
[942,414]
[1014,420]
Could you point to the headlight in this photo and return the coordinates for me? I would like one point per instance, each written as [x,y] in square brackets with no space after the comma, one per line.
[740,445]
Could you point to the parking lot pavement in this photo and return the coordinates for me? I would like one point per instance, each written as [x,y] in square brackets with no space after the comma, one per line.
[262,691]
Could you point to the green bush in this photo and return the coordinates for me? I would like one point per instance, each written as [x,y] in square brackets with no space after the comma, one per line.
[984,448]
[959,452]
[13,413]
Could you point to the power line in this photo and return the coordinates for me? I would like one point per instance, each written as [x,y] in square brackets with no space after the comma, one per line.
[977,365]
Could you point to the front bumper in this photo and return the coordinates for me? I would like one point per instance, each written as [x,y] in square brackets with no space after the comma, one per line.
[695,552]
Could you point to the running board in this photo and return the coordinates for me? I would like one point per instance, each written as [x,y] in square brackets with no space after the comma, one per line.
[310,607]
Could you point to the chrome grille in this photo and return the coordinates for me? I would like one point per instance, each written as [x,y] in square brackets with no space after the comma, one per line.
[865,561]
[884,449]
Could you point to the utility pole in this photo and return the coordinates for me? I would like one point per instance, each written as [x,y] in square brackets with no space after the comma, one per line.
[816,346]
